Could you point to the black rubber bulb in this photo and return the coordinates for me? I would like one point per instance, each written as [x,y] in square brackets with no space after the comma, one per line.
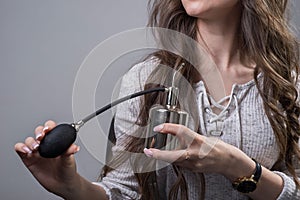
[57,141]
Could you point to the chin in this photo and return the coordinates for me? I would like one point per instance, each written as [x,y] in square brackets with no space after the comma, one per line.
[210,8]
[197,14]
[195,8]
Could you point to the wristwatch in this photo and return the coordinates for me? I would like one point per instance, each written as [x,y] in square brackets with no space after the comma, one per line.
[248,184]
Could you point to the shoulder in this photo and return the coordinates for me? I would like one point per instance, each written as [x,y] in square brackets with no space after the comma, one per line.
[143,68]
[139,73]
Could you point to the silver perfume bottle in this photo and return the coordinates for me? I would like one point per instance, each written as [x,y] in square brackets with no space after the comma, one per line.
[169,113]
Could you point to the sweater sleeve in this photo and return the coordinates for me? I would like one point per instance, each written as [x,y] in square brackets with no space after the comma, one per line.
[121,182]
[289,190]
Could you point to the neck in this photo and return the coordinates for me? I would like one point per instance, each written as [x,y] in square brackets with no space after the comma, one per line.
[219,38]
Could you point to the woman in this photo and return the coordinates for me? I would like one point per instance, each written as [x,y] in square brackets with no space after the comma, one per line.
[256,145]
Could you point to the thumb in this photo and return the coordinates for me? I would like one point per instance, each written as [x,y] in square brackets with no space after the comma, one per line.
[71,150]
[67,159]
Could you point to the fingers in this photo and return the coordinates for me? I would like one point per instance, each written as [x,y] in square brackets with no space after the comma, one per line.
[167,156]
[49,125]
[31,143]
[40,131]
[174,129]
[21,148]
[192,144]
[28,147]
[185,135]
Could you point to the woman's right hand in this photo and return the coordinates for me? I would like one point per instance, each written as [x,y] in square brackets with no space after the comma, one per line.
[58,175]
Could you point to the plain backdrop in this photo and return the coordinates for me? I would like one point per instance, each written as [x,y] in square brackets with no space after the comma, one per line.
[42,45]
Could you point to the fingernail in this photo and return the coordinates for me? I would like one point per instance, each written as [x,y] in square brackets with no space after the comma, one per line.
[77,149]
[45,128]
[158,128]
[148,153]
[27,150]
[38,136]
[35,146]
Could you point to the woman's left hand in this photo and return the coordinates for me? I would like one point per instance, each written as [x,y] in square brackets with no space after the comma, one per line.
[200,153]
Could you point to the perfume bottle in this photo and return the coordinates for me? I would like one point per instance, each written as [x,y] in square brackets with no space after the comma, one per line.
[169,113]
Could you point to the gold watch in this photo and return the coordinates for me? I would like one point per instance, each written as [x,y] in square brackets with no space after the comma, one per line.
[248,184]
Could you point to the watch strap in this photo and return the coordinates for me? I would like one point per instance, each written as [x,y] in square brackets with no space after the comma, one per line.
[258,171]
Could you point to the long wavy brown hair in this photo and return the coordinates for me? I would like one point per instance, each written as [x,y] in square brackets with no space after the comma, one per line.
[265,38]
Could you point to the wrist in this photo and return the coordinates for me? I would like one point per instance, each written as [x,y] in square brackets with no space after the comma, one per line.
[71,189]
[84,189]
[247,184]
[240,166]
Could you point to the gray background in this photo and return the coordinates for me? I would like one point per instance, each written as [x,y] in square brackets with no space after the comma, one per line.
[42,45]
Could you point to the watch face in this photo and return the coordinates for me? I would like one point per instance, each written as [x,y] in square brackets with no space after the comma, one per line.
[246,186]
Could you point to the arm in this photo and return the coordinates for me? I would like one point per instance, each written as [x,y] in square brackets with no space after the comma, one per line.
[57,175]
[211,155]
[270,184]
[84,189]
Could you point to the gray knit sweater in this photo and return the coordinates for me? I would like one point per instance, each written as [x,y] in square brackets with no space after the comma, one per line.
[244,125]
